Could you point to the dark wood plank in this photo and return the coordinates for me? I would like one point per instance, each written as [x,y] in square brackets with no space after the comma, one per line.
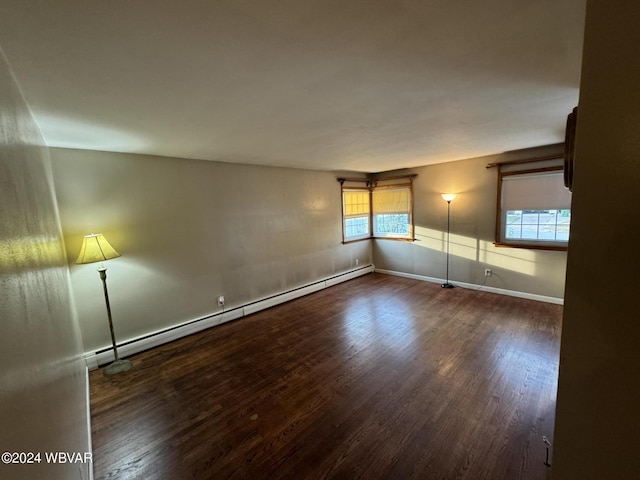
[378,378]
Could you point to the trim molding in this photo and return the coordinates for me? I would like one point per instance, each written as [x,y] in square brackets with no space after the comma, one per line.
[89,441]
[473,286]
[153,339]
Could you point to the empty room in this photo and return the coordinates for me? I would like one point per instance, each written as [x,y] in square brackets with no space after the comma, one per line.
[376,240]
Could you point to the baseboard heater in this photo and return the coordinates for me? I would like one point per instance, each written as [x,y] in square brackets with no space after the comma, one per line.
[166,335]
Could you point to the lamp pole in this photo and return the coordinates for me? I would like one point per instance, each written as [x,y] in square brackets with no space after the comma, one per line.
[448,197]
[103,277]
[118,365]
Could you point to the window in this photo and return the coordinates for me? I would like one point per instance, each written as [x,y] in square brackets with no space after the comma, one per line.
[545,225]
[534,209]
[392,212]
[381,209]
[356,208]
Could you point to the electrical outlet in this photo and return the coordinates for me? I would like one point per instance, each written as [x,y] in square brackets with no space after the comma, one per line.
[221,301]
[357,262]
[487,272]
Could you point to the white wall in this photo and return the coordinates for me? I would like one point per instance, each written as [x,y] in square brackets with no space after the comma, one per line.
[191,230]
[473,217]
[42,371]
[598,410]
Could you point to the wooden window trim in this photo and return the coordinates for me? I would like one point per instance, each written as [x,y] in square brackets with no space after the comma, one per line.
[370,186]
[528,246]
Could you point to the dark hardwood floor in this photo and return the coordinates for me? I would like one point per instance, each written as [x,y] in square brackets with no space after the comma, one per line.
[380,377]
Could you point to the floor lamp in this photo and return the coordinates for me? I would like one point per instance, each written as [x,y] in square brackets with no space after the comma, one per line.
[448,197]
[95,248]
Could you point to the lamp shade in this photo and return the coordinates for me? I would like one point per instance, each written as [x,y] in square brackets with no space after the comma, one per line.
[447,197]
[95,248]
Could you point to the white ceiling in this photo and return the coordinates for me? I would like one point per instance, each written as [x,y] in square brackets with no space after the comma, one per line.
[363,85]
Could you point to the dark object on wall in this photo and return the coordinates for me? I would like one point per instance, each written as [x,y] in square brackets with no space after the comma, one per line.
[570,148]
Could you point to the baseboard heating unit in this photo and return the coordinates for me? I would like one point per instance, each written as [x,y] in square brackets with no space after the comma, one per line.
[166,335]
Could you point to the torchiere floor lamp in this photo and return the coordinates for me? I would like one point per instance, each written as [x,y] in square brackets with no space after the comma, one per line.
[448,197]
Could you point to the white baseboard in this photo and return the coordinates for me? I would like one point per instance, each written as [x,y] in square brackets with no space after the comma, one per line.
[472,286]
[153,339]
[91,360]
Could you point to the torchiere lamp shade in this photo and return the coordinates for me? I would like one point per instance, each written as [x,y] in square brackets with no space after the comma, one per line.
[95,248]
[448,197]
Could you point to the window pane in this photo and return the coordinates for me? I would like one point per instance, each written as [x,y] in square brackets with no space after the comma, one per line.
[530,217]
[547,232]
[563,233]
[356,227]
[547,217]
[538,225]
[514,231]
[529,231]
[391,224]
[514,217]
[547,227]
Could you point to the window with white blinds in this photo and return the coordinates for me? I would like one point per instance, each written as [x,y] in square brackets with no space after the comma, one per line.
[534,208]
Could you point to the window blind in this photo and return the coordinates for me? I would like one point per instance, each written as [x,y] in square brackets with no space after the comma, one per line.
[391,200]
[536,191]
[356,202]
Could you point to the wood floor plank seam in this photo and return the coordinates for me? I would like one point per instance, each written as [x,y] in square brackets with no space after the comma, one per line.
[380,377]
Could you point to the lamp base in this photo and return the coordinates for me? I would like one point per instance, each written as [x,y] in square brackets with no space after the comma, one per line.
[447,285]
[117,367]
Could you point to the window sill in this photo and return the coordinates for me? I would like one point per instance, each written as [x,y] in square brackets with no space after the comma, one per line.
[530,246]
[345,242]
[410,240]
[397,239]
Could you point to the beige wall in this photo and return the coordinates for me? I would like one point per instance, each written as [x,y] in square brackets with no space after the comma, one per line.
[42,373]
[473,216]
[191,230]
[598,410]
